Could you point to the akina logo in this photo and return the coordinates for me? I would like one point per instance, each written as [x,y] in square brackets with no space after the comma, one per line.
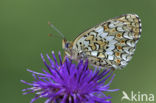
[138,97]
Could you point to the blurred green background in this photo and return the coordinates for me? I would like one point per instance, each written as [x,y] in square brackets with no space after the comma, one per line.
[24,35]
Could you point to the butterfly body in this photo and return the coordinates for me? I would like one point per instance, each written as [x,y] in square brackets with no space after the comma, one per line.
[109,44]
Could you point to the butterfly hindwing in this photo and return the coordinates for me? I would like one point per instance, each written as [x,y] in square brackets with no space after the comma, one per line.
[111,43]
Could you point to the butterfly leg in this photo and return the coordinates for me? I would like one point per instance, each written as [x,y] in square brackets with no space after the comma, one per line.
[64,59]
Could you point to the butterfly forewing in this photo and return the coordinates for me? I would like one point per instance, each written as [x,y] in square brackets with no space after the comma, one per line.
[111,43]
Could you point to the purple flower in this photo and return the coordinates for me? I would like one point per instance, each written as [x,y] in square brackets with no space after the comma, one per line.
[66,82]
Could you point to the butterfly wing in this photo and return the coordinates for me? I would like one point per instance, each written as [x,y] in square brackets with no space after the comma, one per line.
[111,43]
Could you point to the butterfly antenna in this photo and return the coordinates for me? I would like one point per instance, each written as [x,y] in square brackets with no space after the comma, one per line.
[58,31]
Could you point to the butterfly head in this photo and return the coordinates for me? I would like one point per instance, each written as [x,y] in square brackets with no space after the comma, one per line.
[67,46]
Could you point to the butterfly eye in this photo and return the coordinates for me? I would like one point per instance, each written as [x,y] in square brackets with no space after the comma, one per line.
[67,45]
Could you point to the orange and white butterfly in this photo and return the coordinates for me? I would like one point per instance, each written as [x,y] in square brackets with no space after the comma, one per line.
[109,44]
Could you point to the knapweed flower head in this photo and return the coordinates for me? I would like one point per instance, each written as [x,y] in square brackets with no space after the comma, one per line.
[66,82]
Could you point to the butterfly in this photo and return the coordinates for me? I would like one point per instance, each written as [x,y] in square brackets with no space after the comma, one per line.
[110,44]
